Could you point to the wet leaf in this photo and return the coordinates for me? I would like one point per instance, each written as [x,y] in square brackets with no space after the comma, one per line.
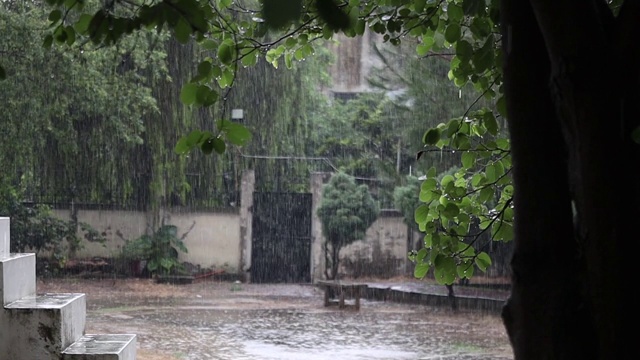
[483,261]
[188,93]
[236,134]
[280,13]
[420,215]
[421,270]
[431,137]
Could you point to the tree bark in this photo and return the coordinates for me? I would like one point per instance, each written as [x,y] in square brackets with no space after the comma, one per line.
[562,75]
[545,314]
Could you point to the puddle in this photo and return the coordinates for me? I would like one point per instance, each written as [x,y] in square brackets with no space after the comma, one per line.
[378,331]
[215,321]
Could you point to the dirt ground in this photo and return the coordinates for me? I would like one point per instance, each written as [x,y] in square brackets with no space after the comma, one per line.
[124,296]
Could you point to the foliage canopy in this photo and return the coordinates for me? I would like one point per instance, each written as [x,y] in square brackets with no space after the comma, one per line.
[234,35]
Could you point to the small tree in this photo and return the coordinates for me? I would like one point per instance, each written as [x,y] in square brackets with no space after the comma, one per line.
[346,211]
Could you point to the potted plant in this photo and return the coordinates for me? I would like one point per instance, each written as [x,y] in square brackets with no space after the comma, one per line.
[157,252]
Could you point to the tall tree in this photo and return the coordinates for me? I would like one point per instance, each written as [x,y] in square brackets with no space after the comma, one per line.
[562,85]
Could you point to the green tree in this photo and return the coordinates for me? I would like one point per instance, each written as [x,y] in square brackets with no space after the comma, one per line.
[569,123]
[346,211]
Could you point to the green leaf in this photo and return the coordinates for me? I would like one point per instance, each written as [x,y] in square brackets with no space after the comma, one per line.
[483,58]
[360,27]
[431,137]
[226,78]
[452,33]
[483,261]
[451,210]
[446,180]
[288,61]
[209,44]
[502,231]
[473,7]
[280,13]
[420,214]
[82,25]
[490,123]
[195,137]
[468,159]
[182,146]
[188,93]
[485,194]
[445,269]
[501,106]
[225,53]
[491,173]
[454,12]
[207,147]
[55,16]
[219,146]
[465,270]
[464,50]
[204,69]
[428,184]
[331,14]
[428,240]
[182,30]
[427,43]
[236,134]
[250,59]
[205,96]
[213,144]
[48,41]
[71,35]
[421,270]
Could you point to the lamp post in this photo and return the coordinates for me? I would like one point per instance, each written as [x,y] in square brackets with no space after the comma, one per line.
[237,115]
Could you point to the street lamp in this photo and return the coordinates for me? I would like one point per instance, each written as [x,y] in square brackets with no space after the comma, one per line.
[237,115]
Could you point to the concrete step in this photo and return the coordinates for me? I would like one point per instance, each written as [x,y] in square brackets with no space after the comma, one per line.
[17,277]
[40,327]
[102,347]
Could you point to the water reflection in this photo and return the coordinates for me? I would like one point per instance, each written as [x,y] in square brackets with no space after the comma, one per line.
[228,329]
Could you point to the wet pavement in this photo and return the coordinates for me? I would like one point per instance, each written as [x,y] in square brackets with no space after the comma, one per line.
[286,322]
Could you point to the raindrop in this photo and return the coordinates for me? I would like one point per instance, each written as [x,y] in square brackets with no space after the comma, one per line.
[257,19]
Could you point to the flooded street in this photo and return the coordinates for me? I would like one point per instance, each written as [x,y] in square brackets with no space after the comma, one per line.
[280,322]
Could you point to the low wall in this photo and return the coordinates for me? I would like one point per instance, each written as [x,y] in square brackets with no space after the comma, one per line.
[383,252]
[212,242]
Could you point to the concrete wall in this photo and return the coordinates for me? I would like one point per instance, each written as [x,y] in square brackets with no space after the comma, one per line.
[223,239]
[384,248]
[213,240]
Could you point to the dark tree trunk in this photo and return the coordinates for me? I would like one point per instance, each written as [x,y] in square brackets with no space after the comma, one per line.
[570,124]
[332,260]
[452,298]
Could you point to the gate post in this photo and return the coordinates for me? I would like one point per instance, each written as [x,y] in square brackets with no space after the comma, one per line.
[246,225]
[318,179]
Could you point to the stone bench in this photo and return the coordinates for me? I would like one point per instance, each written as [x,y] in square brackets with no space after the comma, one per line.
[342,290]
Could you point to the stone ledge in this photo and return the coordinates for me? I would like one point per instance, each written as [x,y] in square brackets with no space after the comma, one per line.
[102,347]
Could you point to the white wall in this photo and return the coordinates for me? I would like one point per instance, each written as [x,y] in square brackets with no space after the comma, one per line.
[213,241]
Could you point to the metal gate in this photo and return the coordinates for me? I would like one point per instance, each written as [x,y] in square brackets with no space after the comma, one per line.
[281,240]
